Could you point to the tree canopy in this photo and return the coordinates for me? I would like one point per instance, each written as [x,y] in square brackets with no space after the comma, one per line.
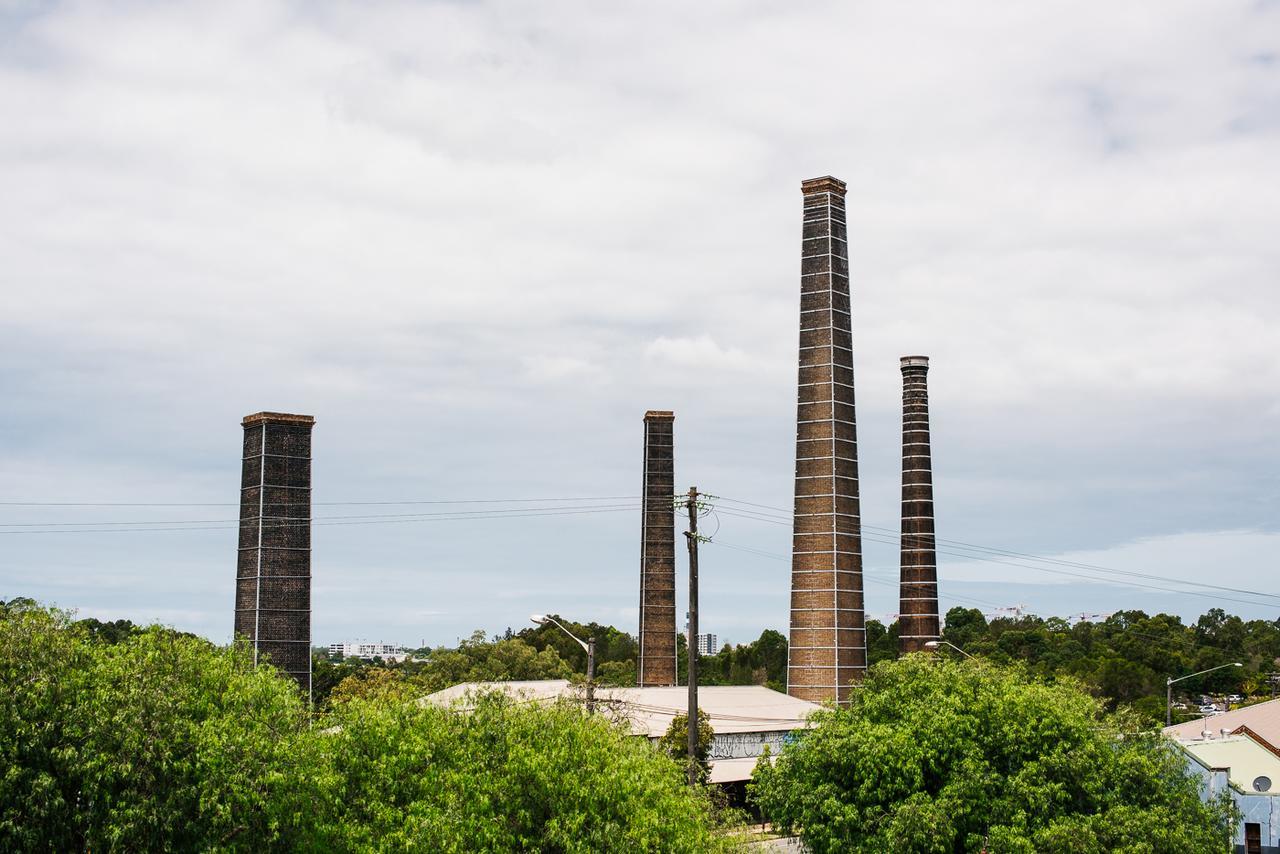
[937,756]
[148,739]
[155,741]
[508,776]
[1126,657]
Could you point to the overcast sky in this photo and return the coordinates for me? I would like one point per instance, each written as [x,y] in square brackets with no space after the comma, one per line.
[478,240]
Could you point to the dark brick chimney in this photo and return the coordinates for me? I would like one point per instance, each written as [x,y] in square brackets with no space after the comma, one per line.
[918,617]
[658,554]
[273,573]
[828,644]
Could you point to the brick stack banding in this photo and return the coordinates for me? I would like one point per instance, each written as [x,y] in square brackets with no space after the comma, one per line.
[918,617]
[828,644]
[658,554]
[273,572]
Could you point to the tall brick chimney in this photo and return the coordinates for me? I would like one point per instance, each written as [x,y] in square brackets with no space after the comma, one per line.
[658,554]
[273,572]
[828,643]
[918,617]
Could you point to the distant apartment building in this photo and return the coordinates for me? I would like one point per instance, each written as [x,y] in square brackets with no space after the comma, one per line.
[707,644]
[368,651]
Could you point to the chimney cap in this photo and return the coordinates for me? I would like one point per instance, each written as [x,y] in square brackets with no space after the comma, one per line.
[915,361]
[659,415]
[277,418]
[825,184]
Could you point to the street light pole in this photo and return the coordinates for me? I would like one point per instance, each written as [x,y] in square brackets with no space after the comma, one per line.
[591,676]
[934,644]
[1168,689]
[589,645]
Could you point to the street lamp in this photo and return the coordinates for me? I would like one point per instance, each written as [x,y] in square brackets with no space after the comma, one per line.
[589,645]
[1168,689]
[934,644]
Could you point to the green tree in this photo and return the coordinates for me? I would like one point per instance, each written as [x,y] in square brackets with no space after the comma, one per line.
[934,755]
[480,660]
[165,742]
[159,741]
[369,683]
[112,632]
[761,662]
[618,674]
[675,742]
[506,776]
[882,641]
[327,674]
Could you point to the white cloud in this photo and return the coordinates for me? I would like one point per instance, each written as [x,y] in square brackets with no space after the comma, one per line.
[556,369]
[699,353]
[479,240]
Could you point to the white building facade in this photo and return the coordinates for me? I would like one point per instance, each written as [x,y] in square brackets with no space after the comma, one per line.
[368,651]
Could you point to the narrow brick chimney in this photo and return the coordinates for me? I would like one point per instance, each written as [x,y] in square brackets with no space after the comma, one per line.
[918,617]
[658,554]
[273,572]
[828,644]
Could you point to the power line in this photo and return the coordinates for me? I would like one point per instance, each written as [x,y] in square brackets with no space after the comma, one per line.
[873,533]
[994,555]
[866,574]
[1186,642]
[529,513]
[458,513]
[1025,556]
[11,503]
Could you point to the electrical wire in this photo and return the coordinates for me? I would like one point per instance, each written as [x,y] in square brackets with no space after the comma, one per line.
[959,544]
[528,513]
[994,556]
[1186,642]
[316,503]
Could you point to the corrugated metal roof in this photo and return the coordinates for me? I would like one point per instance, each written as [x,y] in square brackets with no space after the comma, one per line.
[1263,719]
[649,711]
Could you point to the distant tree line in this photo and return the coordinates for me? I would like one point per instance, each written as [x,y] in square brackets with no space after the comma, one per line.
[1124,659]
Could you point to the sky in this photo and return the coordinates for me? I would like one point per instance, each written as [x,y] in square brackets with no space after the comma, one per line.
[478,240]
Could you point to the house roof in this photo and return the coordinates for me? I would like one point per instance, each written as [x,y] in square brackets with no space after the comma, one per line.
[649,711]
[1244,758]
[1262,719]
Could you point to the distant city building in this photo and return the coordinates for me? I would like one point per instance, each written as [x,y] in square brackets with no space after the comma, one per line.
[368,651]
[707,644]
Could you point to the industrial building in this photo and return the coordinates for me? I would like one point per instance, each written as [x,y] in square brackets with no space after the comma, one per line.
[745,718]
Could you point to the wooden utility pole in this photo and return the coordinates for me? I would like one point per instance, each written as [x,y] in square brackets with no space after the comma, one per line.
[691,536]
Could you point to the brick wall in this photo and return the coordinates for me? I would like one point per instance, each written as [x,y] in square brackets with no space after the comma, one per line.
[273,572]
[828,644]
[657,666]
